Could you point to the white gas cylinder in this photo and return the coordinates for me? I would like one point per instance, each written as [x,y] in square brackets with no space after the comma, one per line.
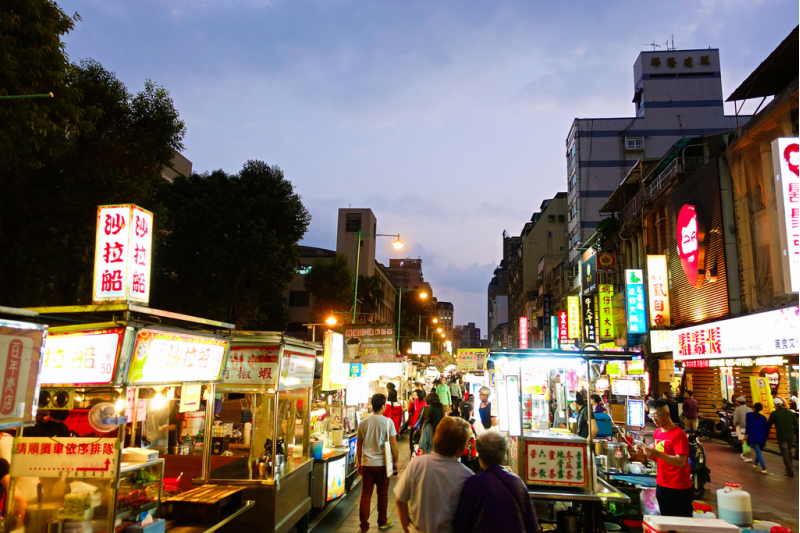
[734,505]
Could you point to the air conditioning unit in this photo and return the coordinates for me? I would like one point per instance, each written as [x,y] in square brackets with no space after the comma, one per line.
[634,143]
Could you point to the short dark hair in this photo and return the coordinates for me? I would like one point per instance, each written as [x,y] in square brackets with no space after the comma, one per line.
[689,393]
[757,407]
[452,435]
[658,403]
[390,386]
[432,398]
[596,398]
[378,401]
[579,399]
[466,410]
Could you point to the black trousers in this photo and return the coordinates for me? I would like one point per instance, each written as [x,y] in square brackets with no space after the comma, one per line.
[674,502]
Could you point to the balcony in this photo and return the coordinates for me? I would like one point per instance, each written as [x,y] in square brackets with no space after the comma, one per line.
[679,165]
[632,208]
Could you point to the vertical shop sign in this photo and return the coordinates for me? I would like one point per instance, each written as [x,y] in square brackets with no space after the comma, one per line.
[574,312]
[759,389]
[634,299]
[547,304]
[786,158]
[658,289]
[589,315]
[523,332]
[606,263]
[563,326]
[606,311]
[589,275]
[123,254]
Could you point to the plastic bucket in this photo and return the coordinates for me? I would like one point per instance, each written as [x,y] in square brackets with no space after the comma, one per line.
[316,449]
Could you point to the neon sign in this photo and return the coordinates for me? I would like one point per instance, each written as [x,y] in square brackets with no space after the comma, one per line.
[691,244]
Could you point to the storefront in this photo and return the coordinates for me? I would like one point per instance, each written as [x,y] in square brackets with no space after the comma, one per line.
[752,356]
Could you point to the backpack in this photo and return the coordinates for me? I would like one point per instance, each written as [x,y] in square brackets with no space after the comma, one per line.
[418,425]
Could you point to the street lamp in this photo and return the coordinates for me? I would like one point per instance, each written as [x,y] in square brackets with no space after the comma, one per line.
[397,245]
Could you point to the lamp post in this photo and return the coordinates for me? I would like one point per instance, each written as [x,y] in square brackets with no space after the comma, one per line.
[419,324]
[397,245]
[400,290]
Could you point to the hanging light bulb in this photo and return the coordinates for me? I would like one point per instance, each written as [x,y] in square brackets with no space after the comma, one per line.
[119,405]
[159,401]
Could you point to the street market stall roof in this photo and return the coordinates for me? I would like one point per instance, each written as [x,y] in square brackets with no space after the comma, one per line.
[773,74]
[585,354]
[87,314]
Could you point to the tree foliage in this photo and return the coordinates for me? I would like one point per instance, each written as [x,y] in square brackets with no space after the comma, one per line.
[331,286]
[370,293]
[115,154]
[230,246]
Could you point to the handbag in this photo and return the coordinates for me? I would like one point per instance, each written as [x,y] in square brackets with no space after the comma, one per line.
[387,450]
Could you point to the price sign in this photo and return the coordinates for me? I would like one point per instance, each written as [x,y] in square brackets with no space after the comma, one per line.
[166,357]
[81,357]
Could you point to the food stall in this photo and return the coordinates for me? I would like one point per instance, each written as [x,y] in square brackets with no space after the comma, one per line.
[533,389]
[266,389]
[118,381]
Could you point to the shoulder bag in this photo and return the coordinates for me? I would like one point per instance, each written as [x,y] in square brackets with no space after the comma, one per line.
[387,450]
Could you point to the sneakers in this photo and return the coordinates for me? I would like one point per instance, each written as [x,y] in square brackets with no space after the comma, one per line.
[755,467]
[748,460]
[764,472]
[743,456]
[389,524]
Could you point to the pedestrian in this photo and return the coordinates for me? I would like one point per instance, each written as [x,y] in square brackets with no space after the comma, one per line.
[415,410]
[455,390]
[485,409]
[470,455]
[373,432]
[739,421]
[785,423]
[691,411]
[434,414]
[495,499]
[429,489]
[583,418]
[671,453]
[394,410]
[454,408]
[756,427]
[444,393]
[597,403]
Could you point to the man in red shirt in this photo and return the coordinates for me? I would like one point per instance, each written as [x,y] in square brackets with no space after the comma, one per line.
[671,451]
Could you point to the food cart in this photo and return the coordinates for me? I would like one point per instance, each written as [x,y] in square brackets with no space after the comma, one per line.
[269,377]
[533,389]
[116,379]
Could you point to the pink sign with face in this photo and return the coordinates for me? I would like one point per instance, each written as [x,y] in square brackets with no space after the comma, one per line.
[690,244]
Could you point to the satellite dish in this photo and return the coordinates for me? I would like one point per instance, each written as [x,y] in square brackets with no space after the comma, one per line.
[103,417]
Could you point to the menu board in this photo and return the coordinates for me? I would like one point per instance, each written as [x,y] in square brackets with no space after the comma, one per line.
[252,365]
[166,357]
[555,463]
[20,359]
[81,357]
[626,387]
[636,410]
[297,370]
[366,343]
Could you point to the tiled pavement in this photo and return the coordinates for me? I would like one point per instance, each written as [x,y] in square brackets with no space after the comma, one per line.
[344,517]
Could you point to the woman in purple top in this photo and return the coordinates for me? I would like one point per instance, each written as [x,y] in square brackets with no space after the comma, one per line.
[494,500]
[597,403]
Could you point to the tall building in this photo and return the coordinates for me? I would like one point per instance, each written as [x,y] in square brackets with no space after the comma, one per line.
[498,305]
[407,273]
[676,94]
[444,310]
[470,336]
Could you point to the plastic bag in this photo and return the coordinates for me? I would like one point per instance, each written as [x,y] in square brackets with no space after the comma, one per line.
[648,502]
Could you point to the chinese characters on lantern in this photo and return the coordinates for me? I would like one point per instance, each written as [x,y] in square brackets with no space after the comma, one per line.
[658,285]
[634,301]
[605,303]
[122,254]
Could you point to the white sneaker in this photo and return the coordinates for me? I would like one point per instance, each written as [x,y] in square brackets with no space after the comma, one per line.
[748,460]
[743,456]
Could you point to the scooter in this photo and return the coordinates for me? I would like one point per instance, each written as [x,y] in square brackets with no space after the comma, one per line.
[698,468]
[723,428]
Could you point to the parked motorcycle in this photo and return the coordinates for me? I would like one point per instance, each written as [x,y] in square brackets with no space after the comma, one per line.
[724,428]
[699,469]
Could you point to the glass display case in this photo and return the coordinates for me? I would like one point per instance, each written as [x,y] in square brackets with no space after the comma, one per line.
[140,491]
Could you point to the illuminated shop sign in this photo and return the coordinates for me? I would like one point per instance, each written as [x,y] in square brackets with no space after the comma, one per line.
[563,326]
[760,334]
[786,157]
[81,357]
[589,315]
[606,262]
[634,300]
[523,332]
[658,288]
[574,312]
[123,254]
[660,340]
[774,360]
[691,244]
[589,275]
[166,357]
[606,313]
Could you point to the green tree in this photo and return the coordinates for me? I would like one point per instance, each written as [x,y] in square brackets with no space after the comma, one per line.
[48,209]
[331,286]
[230,246]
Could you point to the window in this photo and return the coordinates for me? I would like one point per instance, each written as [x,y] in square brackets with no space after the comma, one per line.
[353,223]
[549,234]
[551,218]
[299,298]
[634,143]
[561,218]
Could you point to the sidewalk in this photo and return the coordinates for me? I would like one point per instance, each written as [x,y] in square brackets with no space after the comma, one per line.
[344,517]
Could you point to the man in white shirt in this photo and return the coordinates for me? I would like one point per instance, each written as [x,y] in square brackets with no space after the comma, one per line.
[428,491]
[373,433]
[739,421]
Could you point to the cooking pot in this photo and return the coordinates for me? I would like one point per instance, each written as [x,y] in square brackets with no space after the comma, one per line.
[600,446]
[617,457]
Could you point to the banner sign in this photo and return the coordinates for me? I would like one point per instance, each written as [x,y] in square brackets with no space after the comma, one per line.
[335,372]
[252,365]
[547,305]
[355,370]
[368,343]
[589,275]
[82,357]
[785,159]
[123,254]
[658,288]
[20,359]
[760,334]
[75,457]
[606,263]
[523,332]
[605,312]
[166,357]
[759,388]
[773,360]
[634,300]
[471,359]
[563,326]
[589,316]
[574,312]
[297,370]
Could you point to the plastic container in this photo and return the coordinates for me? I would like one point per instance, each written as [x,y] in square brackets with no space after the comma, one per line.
[734,505]
[780,529]
[316,449]
[765,525]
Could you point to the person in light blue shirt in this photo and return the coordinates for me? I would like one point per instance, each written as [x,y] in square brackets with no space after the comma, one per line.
[434,414]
